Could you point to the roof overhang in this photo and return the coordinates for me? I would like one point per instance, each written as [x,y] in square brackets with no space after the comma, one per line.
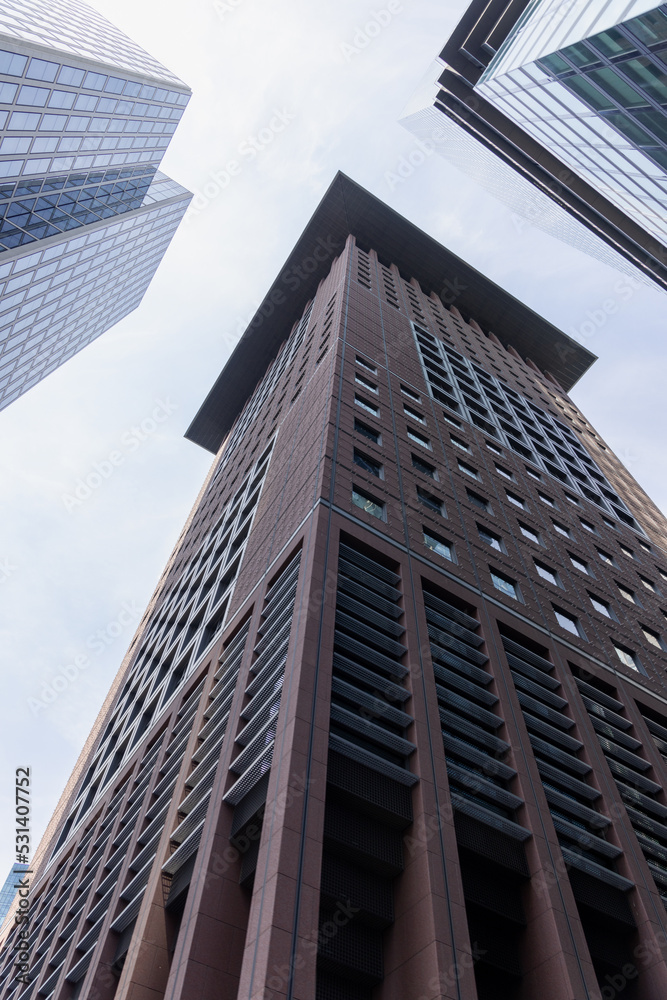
[346,209]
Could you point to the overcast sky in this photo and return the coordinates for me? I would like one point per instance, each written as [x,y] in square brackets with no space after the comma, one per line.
[75,579]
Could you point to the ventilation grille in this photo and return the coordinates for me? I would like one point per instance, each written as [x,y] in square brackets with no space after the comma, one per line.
[468,714]
[368,799]
[629,769]
[573,801]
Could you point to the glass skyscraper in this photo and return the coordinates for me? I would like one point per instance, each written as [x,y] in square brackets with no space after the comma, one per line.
[8,891]
[573,98]
[86,215]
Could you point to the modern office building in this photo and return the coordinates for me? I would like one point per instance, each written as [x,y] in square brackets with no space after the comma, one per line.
[85,213]
[555,106]
[394,725]
[8,891]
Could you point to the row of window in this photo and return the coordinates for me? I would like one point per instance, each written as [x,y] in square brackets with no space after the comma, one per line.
[508,586]
[14,64]
[372,505]
[42,97]
[473,473]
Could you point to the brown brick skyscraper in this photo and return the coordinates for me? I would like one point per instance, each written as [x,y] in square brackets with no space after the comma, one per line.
[395,724]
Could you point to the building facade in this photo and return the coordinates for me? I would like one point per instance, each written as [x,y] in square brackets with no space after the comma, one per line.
[86,215]
[571,98]
[395,723]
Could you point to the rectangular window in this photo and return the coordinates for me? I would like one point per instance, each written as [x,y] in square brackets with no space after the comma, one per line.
[572,499]
[367,432]
[494,448]
[579,564]
[627,594]
[605,557]
[424,467]
[62,99]
[652,637]
[627,552]
[662,573]
[567,621]
[547,500]
[409,412]
[561,529]
[368,503]
[42,70]
[23,120]
[478,501]
[368,407]
[368,464]
[626,656]
[366,364]
[513,498]
[609,523]
[410,394]
[600,605]
[438,545]
[419,439]
[529,533]
[367,384]
[546,573]
[34,97]
[502,471]
[588,526]
[648,584]
[468,470]
[12,64]
[451,420]
[533,474]
[430,501]
[458,444]
[488,536]
[505,584]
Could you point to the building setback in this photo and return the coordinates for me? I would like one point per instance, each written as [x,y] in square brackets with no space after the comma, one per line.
[394,725]
[85,213]
[557,106]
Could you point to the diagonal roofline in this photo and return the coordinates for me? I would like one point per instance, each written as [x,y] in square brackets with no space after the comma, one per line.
[347,208]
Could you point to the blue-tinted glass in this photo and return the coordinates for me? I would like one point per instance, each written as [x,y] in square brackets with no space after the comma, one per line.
[609,80]
[12,64]
[580,55]
[649,28]
[554,64]
[585,90]
[651,79]
[612,43]
[8,92]
[114,85]
[35,97]
[95,81]
[53,123]
[438,545]
[23,120]
[504,585]
[42,70]
[86,102]
[70,76]
[61,99]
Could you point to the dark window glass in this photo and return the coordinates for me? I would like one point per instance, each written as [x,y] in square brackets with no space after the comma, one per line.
[367,432]
[368,464]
